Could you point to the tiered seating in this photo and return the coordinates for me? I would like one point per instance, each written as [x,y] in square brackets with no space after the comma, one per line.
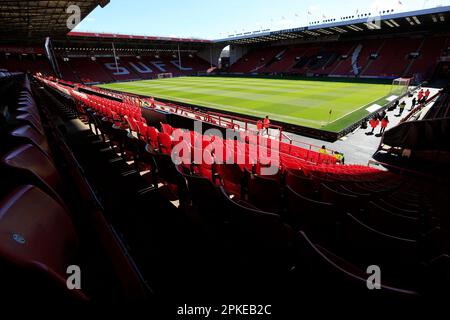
[393,57]
[123,72]
[170,63]
[33,64]
[330,61]
[287,61]
[431,50]
[255,60]
[103,69]
[393,60]
[319,220]
[338,50]
[47,218]
[138,67]
[67,72]
[441,108]
[87,70]
[307,59]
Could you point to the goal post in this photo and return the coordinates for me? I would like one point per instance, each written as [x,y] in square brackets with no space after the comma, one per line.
[165,75]
[400,86]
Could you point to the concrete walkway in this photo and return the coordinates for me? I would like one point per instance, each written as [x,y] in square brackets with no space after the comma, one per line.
[358,147]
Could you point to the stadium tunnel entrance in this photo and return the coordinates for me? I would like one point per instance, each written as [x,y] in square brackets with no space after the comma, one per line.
[212,54]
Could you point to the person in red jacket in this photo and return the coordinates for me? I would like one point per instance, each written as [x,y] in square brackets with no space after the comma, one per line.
[259,126]
[384,124]
[420,95]
[373,123]
[427,94]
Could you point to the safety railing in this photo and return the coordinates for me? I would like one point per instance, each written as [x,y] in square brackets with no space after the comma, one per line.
[420,107]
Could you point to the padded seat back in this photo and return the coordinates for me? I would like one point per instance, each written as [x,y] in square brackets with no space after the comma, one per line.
[300,183]
[28,118]
[264,193]
[326,275]
[28,134]
[37,237]
[382,219]
[30,165]
[232,178]
[398,257]
[165,143]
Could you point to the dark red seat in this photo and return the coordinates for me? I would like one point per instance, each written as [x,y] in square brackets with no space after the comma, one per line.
[259,234]
[347,202]
[232,178]
[28,164]
[264,192]
[167,128]
[321,273]
[300,183]
[27,134]
[37,244]
[399,258]
[203,163]
[152,134]
[319,219]
[380,218]
[165,143]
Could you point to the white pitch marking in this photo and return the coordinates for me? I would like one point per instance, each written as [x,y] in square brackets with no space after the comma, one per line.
[374,108]
[391,98]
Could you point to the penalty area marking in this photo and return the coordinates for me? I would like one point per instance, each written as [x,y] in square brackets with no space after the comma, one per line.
[373,108]
[391,98]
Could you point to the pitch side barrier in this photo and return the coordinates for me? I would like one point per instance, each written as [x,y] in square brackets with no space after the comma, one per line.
[229,119]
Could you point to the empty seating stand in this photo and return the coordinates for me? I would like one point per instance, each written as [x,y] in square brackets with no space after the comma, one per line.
[38,245]
[46,230]
[314,220]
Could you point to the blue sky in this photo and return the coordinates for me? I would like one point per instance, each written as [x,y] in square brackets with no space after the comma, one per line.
[213,19]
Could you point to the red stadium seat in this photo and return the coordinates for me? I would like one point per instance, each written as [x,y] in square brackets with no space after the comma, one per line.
[167,128]
[325,275]
[153,137]
[264,192]
[165,143]
[27,134]
[39,243]
[28,164]
[232,178]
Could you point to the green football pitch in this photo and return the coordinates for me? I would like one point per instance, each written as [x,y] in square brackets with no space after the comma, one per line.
[300,102]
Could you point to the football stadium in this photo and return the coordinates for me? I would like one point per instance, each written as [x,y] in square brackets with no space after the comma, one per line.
[217,174]
[306,103]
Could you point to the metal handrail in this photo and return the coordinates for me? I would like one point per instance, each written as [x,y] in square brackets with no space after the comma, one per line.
[420,107]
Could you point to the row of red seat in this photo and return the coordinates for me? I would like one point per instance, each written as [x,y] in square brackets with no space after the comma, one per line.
[337,220]
[38,235]
[392,58]
[105,69]
[42,229]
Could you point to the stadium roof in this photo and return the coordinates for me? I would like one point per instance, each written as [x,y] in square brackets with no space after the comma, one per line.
[106,36]
[83,42]
[386,22]
[32,20]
